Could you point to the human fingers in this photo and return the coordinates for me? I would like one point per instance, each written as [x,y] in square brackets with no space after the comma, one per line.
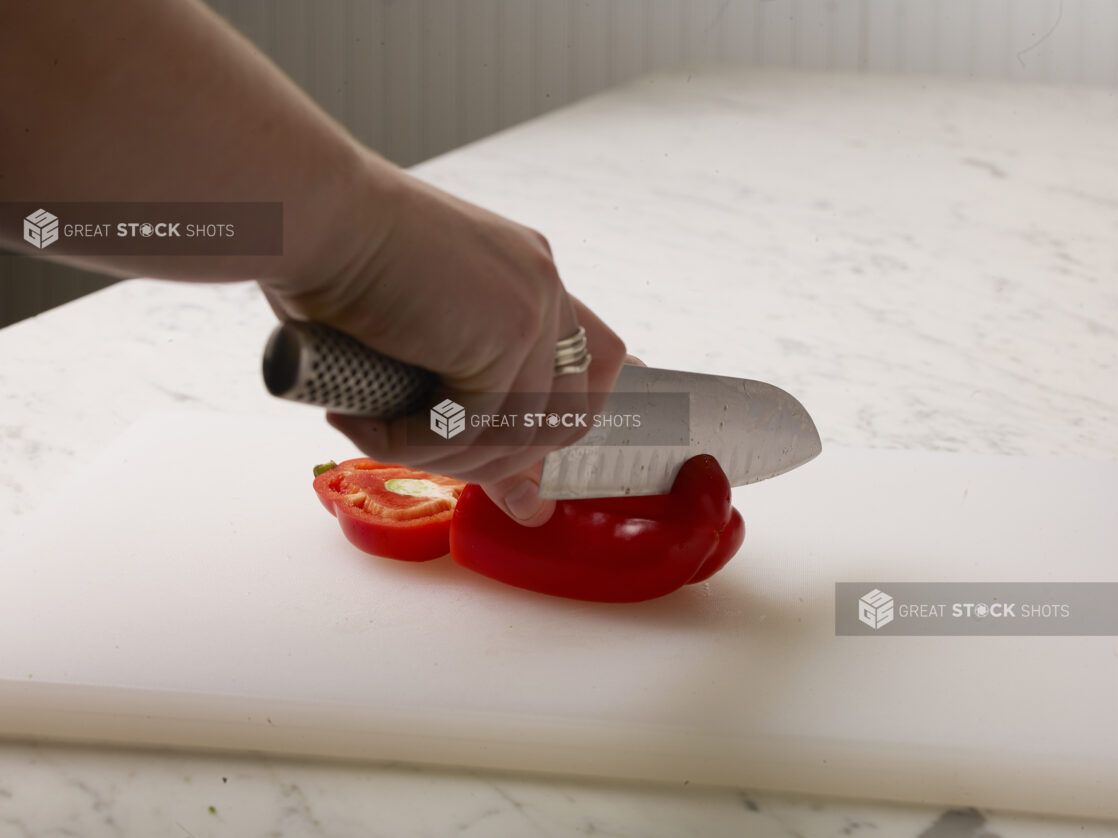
[519,497]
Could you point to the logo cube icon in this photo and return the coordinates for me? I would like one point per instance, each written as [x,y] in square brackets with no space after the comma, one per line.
[875,609]
[448,419]
[40,229]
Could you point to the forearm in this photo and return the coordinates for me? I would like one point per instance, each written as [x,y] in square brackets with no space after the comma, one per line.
[132,100]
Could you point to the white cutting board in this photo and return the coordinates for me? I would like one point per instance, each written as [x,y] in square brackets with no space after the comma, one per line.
[188,589]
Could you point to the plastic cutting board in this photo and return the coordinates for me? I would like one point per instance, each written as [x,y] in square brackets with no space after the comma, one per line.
[187,589]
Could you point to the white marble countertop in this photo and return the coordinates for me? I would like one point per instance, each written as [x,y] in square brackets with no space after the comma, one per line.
[924,263]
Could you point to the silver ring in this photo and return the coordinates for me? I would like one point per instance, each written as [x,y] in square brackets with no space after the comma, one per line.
[570,354]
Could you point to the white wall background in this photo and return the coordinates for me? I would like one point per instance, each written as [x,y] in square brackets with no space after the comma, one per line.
[413,78]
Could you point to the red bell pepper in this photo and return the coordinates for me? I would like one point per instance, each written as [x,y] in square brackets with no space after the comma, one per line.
[607,549]
[390,510]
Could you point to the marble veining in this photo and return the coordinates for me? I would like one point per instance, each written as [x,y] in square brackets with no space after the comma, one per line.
[94,792]
[925,263]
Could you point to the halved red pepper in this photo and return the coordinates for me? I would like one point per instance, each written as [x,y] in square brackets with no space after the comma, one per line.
[390,510]
[607,549]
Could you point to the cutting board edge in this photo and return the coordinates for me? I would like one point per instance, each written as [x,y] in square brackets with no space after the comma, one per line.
[40,711]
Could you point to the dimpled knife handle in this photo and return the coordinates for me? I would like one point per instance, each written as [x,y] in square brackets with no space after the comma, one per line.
[315,364]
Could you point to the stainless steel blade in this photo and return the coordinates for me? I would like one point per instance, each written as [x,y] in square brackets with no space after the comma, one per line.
[753,429]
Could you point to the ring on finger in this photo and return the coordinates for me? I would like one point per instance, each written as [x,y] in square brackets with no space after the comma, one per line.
[571,356]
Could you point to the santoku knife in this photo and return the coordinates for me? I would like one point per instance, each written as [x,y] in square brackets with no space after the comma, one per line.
[755,430]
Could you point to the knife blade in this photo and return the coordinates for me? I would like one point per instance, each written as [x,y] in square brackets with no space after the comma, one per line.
[755,430]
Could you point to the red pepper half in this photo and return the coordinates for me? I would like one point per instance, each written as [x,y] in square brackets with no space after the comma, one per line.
[607,549]
[390,510]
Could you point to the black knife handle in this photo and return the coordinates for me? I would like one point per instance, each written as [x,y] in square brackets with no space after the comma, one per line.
[315,364]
